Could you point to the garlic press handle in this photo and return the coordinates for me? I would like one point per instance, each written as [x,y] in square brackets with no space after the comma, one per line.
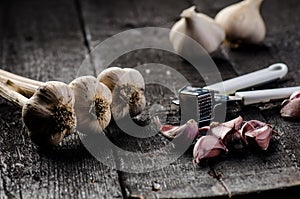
[271,73]
[259,96]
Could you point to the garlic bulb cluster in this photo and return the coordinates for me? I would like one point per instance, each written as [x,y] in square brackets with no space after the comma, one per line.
[127,86]
[199,27]
[92,99]
[92,104]
[243,22]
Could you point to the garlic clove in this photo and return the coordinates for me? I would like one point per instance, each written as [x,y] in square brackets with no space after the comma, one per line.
[228,132]
[295,95]
[208,146]
[199,27]
[127,86]
[92,104]
[49,114]
[291,107]
[257,132]
[189,130]
[243,22]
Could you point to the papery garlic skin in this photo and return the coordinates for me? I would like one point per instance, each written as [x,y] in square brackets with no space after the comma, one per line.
[208,146]
[92,104]
[199,27]
[243,22]
[49,114]
[127,86]
[189,130]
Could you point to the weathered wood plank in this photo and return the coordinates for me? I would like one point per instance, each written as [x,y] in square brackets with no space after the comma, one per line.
[252,171]
[43,40]
[240,173]
[181,178]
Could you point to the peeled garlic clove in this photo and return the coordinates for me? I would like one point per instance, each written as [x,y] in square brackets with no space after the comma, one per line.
[291,107]
[92,104]
[199,27]
[243,22]
[208,146]
[189,130]
[127,86]
[49,114]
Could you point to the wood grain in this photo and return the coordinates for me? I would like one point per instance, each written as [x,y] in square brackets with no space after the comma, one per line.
[43,40]
[48,40]
[236,174]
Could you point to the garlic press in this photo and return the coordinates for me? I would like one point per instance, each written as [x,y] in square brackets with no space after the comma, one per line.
[201,103]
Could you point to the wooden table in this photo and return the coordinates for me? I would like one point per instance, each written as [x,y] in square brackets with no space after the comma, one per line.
[48,40]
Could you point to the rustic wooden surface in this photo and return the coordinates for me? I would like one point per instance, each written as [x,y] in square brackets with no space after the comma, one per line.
[48,40]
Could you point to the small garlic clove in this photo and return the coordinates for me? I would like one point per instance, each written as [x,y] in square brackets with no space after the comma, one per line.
[260,133]
[208,146]
[199,27]
[243,22]
[127,86]
[228,132]
[92,104]
[188,131]
[291,107]
[49,114]
[295,95]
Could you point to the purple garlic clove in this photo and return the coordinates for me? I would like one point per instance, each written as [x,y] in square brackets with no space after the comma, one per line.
[291,107]
[228,132]
[208,146]
[257,132]
[189,130]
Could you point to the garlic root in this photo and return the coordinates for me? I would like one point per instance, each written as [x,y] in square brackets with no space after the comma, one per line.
[48,115]
[243,22]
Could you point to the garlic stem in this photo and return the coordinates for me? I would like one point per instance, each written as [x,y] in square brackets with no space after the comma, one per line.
[9,75]
[22,85]
[12,96]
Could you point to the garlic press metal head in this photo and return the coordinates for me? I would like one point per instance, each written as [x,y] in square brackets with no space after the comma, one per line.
[201,103]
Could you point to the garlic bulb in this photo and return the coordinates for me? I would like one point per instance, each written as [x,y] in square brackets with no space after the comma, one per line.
[127,87]
[199,27]
[243,22]
[49,114]
[92,104]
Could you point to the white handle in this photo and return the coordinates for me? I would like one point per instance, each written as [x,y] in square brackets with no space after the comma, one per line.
[253,97]
[271,73]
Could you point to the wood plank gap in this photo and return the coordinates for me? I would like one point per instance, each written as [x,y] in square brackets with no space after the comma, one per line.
[120,177]
[86,34]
